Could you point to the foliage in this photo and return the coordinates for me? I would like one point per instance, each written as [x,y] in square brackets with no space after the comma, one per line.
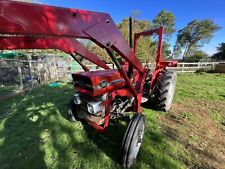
[167,20]
[220,55]
[166,51]
[194,34]
[146,47]
[138,26]
[197,56]
[100,53]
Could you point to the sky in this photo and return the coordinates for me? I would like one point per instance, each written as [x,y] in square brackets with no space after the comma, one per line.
[184,10]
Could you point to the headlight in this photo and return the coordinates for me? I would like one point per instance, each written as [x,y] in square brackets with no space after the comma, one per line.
[94,107]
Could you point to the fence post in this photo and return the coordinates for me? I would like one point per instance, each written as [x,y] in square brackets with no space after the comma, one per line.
[20,75]
[213,65]
[39,72]
[30,67]
[56,72]
[182,68]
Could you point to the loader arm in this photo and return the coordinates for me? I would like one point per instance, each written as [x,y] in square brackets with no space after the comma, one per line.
[27,19]
[66,45]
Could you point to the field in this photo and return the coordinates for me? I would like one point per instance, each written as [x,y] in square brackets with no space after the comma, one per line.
[35,133]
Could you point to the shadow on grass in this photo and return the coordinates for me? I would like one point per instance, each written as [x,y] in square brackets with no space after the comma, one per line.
[222,95]
[38,135]
[30,135]
[19,146]
[108,142]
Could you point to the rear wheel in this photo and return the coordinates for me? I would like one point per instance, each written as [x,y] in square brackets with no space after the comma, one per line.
[164,90]
[132,140]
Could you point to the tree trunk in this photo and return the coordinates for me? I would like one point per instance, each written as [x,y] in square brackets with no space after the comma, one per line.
[187,47]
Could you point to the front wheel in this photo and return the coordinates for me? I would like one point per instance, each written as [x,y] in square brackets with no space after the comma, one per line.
[132,140]
[72,111]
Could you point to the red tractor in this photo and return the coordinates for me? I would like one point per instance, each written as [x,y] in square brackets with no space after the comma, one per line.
[100,95]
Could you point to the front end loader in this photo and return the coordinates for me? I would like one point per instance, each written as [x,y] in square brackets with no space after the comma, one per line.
[101,95]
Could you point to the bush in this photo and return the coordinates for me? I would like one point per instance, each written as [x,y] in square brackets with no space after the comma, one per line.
[197,56]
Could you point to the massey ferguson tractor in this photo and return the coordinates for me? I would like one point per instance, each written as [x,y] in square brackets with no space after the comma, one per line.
[100,95]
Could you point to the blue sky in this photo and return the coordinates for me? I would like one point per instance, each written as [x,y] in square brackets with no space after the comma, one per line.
[184,10]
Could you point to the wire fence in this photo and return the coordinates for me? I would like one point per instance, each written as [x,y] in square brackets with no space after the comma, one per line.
[22,72]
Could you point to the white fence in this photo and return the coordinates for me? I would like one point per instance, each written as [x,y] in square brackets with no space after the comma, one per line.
[193,67]
[181,67]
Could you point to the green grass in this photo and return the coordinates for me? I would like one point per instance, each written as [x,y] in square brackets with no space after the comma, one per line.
[218,116]
[200,86]
[187,116]
[8,89]
[37,134]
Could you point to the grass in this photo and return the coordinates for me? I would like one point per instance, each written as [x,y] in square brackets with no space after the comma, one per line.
[187,116]
[8,89]
[37,134]
[200,86]
[217,116]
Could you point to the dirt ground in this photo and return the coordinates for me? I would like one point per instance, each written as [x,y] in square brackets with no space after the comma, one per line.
[198,126]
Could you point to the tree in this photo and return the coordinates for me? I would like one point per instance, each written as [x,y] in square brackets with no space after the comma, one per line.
[146,47]
[138,26]
[220,55]
[98,51]
[145,44]
[167,20]
[194,35]
[197,56]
